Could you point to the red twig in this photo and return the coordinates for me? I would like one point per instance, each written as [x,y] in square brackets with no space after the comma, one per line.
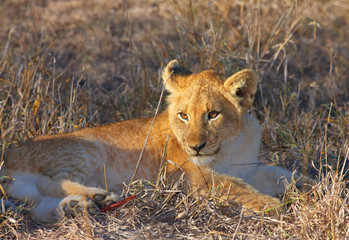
[111,207]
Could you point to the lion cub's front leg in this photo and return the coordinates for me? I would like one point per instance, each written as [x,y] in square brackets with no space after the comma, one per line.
[235,189]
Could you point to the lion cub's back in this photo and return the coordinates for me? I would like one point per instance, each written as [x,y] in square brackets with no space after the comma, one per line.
[50,154]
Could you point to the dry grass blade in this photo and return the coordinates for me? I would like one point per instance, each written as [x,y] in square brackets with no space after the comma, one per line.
[151,126]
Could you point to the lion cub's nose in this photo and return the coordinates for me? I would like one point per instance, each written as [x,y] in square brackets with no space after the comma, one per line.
[198,147]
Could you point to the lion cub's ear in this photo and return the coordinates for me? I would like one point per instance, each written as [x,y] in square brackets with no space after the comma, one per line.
[178,77]
[243,85]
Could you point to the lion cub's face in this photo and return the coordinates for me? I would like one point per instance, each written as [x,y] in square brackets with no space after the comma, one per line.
[205,109]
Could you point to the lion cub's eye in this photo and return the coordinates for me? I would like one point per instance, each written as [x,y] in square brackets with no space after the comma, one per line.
[213,115]
[184,117]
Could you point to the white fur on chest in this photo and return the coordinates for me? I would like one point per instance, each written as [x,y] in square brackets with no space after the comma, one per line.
[238,156]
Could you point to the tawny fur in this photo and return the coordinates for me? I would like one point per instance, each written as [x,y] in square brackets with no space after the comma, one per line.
[211,138]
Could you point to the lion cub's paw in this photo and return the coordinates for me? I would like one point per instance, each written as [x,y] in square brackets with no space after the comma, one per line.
[262,203]
[105,199]
[74,205]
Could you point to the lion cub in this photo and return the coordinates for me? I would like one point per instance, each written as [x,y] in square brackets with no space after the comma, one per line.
[207,134]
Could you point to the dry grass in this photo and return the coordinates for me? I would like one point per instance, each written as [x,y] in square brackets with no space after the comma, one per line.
[70,64]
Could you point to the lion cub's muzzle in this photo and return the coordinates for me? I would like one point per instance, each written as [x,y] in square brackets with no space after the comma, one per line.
[198,147]
[203,153]
[201,149]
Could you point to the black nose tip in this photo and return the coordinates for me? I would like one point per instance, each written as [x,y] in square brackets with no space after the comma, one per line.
[198,147]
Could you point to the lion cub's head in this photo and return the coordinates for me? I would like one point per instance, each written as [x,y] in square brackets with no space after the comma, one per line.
[205,109]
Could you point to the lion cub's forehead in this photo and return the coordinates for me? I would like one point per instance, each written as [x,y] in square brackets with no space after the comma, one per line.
[203,83]
[202,91]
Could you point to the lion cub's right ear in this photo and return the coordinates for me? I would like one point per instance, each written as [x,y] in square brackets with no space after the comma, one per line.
[175,75]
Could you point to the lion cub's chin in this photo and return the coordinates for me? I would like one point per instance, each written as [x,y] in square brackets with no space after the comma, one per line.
[201,160]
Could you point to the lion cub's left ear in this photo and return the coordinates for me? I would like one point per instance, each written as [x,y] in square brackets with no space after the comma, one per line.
[243,85]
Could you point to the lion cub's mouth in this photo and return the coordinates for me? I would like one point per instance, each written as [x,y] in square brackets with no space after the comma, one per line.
[203,157]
